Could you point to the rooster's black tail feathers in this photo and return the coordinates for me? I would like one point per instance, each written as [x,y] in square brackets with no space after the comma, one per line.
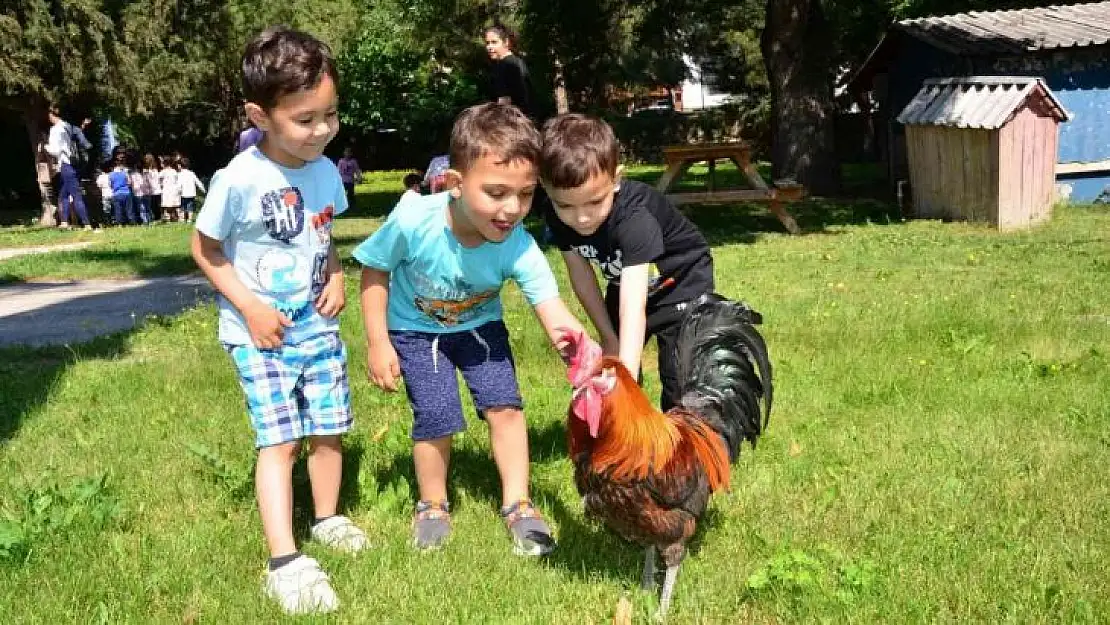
[725,370]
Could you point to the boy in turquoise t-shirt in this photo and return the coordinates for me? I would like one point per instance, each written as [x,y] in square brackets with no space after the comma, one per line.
[431,303]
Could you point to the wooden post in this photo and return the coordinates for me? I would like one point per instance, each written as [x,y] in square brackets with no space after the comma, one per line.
[675,171]
[562,102]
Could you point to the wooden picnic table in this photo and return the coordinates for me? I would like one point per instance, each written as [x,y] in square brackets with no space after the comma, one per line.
[679,158]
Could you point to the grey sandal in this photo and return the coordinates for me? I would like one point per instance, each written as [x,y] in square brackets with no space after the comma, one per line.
[530,533]
[431,525]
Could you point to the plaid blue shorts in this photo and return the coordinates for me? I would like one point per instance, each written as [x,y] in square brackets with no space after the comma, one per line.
[296,390]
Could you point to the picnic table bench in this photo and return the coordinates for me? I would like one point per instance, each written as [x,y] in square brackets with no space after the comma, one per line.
[679,158]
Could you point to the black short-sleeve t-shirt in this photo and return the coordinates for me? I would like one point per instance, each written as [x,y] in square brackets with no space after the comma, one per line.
[644,227]
[509,77]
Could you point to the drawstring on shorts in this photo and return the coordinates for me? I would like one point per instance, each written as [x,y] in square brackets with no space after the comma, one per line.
[435,349]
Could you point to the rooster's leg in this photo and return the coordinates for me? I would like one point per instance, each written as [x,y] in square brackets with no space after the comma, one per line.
[648,581]
[668,589]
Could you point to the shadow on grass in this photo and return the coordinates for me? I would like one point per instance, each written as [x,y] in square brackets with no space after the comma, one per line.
[29,375]
[746,223]
[587,549]
[304,514]
[38,344]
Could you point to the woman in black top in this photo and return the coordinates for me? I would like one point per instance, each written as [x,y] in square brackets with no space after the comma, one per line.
[509,80]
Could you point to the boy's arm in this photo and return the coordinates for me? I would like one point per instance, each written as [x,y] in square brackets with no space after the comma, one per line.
[381,359]
[333,298]
[266,324]
[583,281]
[556,319]
[633,315]
[81,138]
[200,185]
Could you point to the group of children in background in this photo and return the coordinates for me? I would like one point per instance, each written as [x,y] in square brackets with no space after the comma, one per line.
[155,189]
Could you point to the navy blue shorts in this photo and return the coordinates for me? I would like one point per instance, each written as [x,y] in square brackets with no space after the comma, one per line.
[428,363]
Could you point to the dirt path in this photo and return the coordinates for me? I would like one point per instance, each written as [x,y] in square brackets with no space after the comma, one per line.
[43,313]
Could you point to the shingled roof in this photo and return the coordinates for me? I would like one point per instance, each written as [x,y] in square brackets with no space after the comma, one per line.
[996,33]
[985,102]
[1024,30]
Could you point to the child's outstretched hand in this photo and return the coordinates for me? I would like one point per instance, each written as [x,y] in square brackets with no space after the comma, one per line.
[384,368]
[266,324]
[332,298]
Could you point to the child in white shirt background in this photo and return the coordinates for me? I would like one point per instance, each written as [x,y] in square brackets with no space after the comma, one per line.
[105,187]
[171,192]
[154,184]
[188,182]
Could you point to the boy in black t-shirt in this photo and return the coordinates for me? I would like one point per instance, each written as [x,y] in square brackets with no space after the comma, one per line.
[627,228]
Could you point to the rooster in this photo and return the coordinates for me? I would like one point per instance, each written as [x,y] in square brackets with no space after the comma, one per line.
[649,475]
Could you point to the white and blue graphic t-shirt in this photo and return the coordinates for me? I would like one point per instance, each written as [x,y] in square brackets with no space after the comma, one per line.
[436,284]
[275,224]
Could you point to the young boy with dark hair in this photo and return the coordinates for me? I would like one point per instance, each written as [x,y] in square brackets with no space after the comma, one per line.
[264,240]
[631,231]
[431,303]
[412,184]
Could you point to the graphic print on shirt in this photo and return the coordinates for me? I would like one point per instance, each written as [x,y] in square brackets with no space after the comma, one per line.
[319,273]
[282,278]
[449,304]
[611,266]
[322,223]
[283,213]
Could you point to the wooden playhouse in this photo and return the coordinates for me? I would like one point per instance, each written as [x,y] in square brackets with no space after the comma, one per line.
[983,148]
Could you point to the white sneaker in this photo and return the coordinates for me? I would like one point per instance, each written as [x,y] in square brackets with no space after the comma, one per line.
[338,532]
[301,587]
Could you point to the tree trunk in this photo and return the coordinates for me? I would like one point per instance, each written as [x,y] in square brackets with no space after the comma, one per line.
[796,42]
[34,116]
[562,103]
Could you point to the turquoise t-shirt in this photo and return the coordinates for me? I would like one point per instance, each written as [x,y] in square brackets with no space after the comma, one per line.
[436,284]
[275,226]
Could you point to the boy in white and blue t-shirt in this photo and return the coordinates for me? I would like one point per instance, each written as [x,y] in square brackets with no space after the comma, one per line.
[264,240]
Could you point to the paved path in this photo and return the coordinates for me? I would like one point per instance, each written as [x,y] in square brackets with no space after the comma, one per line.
[12,252]
[42,313]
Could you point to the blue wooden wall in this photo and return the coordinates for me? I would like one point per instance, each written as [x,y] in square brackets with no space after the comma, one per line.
[1079,78]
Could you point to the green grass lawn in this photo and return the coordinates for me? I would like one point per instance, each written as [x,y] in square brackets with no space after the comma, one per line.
[938,452]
